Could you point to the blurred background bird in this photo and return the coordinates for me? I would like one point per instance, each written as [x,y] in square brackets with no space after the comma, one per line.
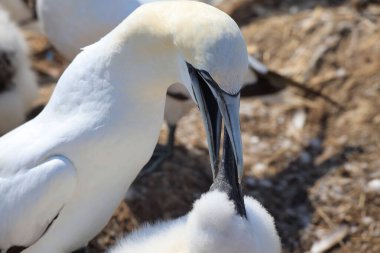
[18,84]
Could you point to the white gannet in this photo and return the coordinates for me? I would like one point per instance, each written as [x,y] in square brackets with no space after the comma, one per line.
[73,24]
[221,221]
[63,173]
[18,85]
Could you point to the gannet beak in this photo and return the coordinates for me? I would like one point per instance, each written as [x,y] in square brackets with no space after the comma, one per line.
[227,177]
[215,104]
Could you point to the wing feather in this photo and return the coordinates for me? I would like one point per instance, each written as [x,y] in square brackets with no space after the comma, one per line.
[31,200]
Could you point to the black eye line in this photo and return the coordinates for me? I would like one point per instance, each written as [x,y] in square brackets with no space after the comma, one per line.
[191,71]
[209,80]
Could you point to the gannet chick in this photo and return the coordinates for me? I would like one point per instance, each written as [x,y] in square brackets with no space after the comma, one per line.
[211,226]
[220,221]
[63,173]
[18,86]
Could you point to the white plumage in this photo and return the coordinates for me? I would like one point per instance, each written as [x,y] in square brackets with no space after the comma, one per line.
[18,86]
[211,226]
[71,165]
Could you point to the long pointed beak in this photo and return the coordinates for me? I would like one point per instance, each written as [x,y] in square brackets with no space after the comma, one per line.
[227,178]
[212,118]
[215,104]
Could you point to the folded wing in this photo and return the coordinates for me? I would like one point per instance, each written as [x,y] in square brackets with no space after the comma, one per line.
[32,199]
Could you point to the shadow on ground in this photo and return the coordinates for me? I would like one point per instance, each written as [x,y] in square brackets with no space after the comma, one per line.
[171,189]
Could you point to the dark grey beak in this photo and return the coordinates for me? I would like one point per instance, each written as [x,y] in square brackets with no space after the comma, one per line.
[227,179]
[215,104]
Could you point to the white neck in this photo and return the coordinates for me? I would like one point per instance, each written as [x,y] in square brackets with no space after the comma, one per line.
[120,99]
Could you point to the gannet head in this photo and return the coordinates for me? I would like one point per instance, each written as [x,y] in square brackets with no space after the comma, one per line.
[193,44]
[211,47]
[204,36]
[216,57]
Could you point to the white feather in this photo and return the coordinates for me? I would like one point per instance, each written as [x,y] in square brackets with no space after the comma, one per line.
[42,191]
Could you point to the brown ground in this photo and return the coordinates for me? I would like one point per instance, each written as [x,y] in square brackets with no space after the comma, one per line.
[307,161]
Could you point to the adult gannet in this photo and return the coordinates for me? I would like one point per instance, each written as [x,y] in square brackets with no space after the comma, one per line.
[63,173]
[18,86]
[73,24]
[221,221]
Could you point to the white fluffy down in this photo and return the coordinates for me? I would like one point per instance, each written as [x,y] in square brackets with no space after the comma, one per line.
[16,102]
[211,227]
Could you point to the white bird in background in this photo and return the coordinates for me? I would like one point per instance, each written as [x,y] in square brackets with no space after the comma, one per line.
[221,221]
[73,24]
[18,85]
[63,173]
[18,10]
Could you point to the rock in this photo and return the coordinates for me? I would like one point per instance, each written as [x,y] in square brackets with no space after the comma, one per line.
[329,240]
[374,185]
